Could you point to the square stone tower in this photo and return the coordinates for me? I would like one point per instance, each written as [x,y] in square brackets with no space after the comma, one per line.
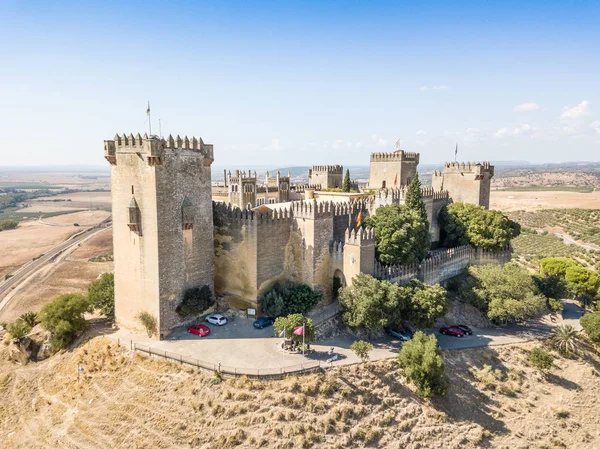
[466,182]
[242,188]
[392,170]
[326,176]
[162,224]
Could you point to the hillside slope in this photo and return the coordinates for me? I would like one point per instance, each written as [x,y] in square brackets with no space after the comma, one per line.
[130,401]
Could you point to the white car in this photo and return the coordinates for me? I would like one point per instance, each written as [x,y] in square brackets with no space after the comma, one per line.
[216,318]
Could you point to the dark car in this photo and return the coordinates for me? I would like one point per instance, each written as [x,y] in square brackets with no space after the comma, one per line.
[452,330]
[400,334]
[263,321]
[199,329]
[466,329]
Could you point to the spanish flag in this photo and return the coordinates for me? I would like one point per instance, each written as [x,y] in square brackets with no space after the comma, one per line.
[396,180]
[359,219]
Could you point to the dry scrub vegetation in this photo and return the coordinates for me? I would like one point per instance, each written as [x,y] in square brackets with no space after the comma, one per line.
[495,400]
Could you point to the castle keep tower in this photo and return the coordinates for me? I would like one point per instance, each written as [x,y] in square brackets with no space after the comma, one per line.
[242,188]
[162,224]
[327,176]
[465,182]
[279,184]
[392,170]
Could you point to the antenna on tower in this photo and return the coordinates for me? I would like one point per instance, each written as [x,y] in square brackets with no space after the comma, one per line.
[149,120]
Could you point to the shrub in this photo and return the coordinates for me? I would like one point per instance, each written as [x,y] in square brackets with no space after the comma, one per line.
[554,305]
[148,321]
[5,225]
[64,318]
[540,359]
[18,328]
[421,364]
[195,301]
[591,325]
[361,349]
[101,294]
[288,299]
[30,318]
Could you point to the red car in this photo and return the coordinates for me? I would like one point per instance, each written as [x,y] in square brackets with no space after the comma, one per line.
[199,329]
[452,330]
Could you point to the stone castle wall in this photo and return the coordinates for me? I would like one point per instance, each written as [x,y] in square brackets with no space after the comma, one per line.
[392,170]
[327,176]
[468,182]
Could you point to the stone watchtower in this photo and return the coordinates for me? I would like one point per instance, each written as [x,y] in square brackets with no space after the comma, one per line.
[327,176]
[162,224]
[392,170]
[279,184]
[242,188]
[466,182]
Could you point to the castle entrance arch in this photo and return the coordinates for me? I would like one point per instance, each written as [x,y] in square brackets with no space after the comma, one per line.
[339,281]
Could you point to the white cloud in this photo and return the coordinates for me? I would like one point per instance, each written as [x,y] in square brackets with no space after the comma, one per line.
[596,126]
[527,107]
[421,133]
[380,142]
[473,134]
[520,130]
[577,112]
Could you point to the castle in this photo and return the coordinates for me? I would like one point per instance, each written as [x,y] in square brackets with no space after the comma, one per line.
[173,230]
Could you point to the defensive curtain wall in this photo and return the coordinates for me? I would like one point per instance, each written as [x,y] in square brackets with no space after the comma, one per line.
[163,227]
[255,249]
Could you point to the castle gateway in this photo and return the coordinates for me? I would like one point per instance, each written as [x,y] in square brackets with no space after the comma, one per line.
[169,235]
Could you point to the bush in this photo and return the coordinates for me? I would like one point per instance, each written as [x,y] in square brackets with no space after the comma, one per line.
[5,225]
[540,359]
[195,301]
[591,325]
[148,321]
[421,364]
[288,298]
[18,328]
[361,349]
[289,323]
[30,318]
[463,223]
[64,318]
[554,305]
[101,294]
[564,339]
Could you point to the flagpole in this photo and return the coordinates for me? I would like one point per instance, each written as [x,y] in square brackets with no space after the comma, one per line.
[149,120]
[159,129]
[303,333]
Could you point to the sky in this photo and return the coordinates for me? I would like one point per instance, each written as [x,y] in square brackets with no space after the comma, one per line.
[287,83]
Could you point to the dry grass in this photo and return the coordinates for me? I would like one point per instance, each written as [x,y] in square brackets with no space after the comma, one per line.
[132,401]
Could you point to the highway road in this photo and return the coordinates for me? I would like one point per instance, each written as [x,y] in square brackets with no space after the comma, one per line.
[7,285]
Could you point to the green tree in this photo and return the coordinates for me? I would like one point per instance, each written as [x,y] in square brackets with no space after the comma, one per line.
[413,198]
[427,303]
[540,359]
[149,322]
[421,364]
[556,266]
[591,325]
[64,318]
[506,293]
[101,294]
[361,349]
[288,298]
[195,301]
[564,339]
[582,283]
[291,322]
[464,223]
[18,328]
[346,184]
[401,234]
[5,225]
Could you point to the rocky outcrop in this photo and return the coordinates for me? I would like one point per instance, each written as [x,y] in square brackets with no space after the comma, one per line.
[33,347]
[19,350]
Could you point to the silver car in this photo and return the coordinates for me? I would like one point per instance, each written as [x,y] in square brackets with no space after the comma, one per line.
[217,319]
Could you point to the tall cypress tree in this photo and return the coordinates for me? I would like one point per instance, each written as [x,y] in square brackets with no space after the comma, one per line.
[413,198]
[346,184]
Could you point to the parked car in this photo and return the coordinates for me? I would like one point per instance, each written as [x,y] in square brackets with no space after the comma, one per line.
[452,330]
[466,329]
[264,321]
[400,334]
[199,329]
[216,318]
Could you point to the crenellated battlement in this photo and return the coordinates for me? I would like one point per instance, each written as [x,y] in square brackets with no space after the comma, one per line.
[476,168]
[241,176]
[153,147]
[396,156]
[312,208]
[361,236]
[398,195]
[333,169]
[235,215]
